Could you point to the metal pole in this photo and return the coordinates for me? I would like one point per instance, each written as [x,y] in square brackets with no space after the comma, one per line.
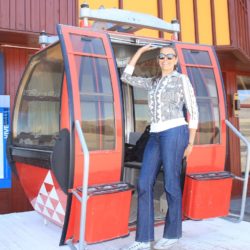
[82,242]
[244,193]
[245,179]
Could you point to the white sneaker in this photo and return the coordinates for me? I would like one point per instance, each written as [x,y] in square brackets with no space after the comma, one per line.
[138,246]
[164,243]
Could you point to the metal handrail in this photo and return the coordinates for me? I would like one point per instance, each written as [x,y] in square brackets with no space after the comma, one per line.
[245,179]
[84,199]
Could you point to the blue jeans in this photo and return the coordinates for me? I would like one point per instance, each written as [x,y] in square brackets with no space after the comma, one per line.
[165,149]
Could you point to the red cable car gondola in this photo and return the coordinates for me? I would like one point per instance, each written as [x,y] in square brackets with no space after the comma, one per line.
[77,79]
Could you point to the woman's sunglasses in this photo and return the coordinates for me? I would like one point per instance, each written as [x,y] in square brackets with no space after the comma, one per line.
[168,56]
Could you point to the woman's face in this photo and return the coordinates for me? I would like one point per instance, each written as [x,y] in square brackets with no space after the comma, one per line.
[167,60]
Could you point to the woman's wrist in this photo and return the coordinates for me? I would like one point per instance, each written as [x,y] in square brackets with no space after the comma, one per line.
[139,52]
[191,144]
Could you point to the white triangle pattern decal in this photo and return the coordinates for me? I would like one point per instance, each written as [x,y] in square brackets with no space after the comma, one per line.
[39,200]
[37,208]
[45,212]
[43,190]
[59,209]
[49,179]
[52,194]
[49,204]
[56,218]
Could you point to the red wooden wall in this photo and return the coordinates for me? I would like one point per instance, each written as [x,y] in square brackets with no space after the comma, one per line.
[233,163]
[37,15]
[21,22]
[14,199]
[15,62]
[239,26]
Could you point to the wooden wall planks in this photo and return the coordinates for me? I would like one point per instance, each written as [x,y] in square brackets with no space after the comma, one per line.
[37,15]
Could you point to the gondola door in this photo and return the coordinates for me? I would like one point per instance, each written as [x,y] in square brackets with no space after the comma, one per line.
[207,187]
[200,64]
[94,100]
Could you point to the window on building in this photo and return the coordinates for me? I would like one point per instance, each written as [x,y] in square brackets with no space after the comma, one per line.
[243,85]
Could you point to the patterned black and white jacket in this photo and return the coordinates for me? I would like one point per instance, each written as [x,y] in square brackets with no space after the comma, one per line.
[166,99]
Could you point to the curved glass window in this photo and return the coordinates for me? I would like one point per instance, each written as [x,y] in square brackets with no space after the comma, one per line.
[87,44]
[97,102]
[203,81]
[196,57]
[95,91]
[36,118]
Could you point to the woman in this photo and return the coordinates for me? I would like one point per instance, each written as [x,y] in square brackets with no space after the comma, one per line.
[171,139]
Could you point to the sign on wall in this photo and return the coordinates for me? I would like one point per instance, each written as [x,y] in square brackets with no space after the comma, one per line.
[5,172]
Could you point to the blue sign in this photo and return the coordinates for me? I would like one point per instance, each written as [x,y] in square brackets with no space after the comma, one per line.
[5,172]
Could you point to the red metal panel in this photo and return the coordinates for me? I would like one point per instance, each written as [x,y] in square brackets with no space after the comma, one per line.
[115,206]
[207,198]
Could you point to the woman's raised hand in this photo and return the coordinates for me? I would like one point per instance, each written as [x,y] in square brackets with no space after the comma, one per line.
[147,47]
[139,52]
